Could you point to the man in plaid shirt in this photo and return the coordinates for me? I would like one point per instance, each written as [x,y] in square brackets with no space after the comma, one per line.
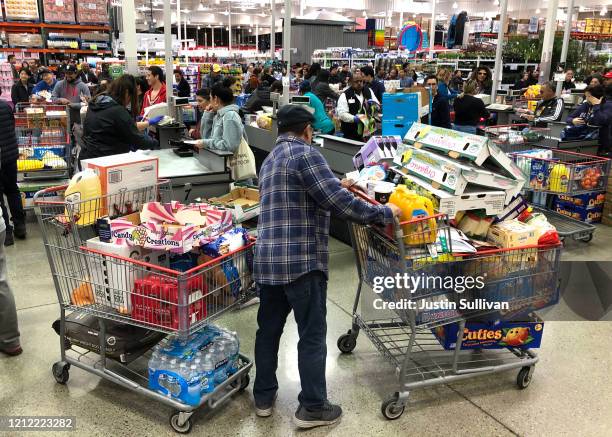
[298,192]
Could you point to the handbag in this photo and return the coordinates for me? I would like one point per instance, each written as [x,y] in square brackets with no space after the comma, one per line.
[242,164]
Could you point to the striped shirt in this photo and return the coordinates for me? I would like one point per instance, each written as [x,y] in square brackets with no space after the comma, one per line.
[298,192]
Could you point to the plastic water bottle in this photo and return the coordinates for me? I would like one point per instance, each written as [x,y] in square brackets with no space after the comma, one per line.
[221,365]
[193,383]
[207,374]
[172,383]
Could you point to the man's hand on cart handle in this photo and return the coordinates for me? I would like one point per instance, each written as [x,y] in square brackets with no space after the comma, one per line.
[347,183]
[397,212]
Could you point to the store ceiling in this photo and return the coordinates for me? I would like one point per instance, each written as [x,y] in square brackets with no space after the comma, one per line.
[257,12]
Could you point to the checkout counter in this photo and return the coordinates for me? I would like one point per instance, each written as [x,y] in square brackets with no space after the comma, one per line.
[337,151]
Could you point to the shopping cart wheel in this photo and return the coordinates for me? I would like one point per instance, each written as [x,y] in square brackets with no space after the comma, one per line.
[391,408]
[588,239]
[347,342]
[61,372]
[243,382]
[185,426]
[524,378]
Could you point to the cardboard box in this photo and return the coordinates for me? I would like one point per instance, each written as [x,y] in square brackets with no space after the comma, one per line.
[113,279]
[242,202]
[512,233]
[592,215]
[378,148]
[489,200]
[587,200]
[401,110]
[451,175]
[492,334]
[122,173]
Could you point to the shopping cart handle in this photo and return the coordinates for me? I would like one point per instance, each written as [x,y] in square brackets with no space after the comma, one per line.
[41,193]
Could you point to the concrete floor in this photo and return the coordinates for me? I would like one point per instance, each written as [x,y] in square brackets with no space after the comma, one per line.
[570,394]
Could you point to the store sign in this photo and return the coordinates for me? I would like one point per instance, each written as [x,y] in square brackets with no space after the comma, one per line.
[116,3]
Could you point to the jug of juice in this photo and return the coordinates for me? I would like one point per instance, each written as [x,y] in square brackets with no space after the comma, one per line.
[414,207]
[83,203]
[559,178]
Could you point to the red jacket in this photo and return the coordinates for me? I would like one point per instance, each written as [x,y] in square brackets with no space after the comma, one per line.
[161,98]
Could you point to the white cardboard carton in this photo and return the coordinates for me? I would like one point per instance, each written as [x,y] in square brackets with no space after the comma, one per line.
[455,144]
[492,201]
[112,278]
[452,175]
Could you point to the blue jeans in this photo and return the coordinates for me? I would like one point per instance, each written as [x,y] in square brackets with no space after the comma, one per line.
[307,297]
[467,129]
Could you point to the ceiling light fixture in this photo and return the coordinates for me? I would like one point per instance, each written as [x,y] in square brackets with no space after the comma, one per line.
[496,2]
[603,12]
[538,11]
[455,5]
[283,11]
[201,7]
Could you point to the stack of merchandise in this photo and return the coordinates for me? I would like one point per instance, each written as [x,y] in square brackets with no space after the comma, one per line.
[189,369]
[469,179]
[21,10]
[587,207]
[92,12]
[59,11]
[606,218]
[132,224]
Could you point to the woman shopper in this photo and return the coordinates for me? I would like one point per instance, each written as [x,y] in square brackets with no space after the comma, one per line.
[469,110]
[483,77]
[22,89]
[157,92]
[8,176]
[322,122]
[221,124]
[444,78]
[109,127]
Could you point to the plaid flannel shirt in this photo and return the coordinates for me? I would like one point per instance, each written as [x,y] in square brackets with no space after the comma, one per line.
[298,191]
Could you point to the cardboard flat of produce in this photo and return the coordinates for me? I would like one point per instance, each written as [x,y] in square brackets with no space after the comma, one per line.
[451,175]
[455,144]
[492,201]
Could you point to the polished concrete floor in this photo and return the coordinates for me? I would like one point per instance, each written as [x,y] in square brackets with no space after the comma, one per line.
[570,394]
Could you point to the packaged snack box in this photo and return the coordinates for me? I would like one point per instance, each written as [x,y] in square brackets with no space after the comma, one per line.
[512,233]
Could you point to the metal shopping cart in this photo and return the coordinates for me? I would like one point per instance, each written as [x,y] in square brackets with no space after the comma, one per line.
[517,137]
[564,173]
[43,139]
[137,293]
[526,279]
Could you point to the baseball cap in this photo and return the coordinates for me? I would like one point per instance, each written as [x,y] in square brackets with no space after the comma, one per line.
[608,75]
[70,68]
[216,68]
[291,115]
[44,70]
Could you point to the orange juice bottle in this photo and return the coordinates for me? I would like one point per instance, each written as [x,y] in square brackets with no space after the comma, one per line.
[414,207]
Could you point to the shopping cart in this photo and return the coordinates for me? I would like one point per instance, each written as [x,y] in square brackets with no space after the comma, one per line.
[565,173]
[517,137]
[43,139]
[134,292]
[526,279]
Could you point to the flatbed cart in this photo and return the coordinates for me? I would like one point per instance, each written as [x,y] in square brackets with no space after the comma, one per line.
[92,282]
[516,137]
[525,278]
[568,227]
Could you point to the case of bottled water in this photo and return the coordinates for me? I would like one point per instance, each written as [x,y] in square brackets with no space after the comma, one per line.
[187,369]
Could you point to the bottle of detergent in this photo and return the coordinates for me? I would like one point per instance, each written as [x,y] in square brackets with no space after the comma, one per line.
[83,197]
[559,178]
[414,206]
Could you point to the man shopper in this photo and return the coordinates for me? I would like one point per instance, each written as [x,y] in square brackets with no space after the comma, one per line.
[70,89]
[440,110]
[375,85]
[157,88]
[298,193]
[550,108]
[213,77]
[9,330]
[345,74]
[352,103]
[47,83]
[87,75]
[8,176]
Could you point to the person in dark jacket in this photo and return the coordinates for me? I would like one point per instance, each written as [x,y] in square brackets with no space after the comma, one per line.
[87,75]
[8,176]
[109,128]
[440,111]
[550,108]
[322,89]
[334,77]
[353,105]
[22,89]
[105,73]
[568,83]
[182,87]
[456,82]
[259,98]
[469,110]
[522,83]
[375,85]
[596,111]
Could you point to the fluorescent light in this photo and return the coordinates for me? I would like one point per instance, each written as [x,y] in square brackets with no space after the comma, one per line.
[217,2]
[198,27]
[538,11]
[282,10]
[496,2]
[201,7]
[581,9]
[455,5]
[226,13]
[413,15]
